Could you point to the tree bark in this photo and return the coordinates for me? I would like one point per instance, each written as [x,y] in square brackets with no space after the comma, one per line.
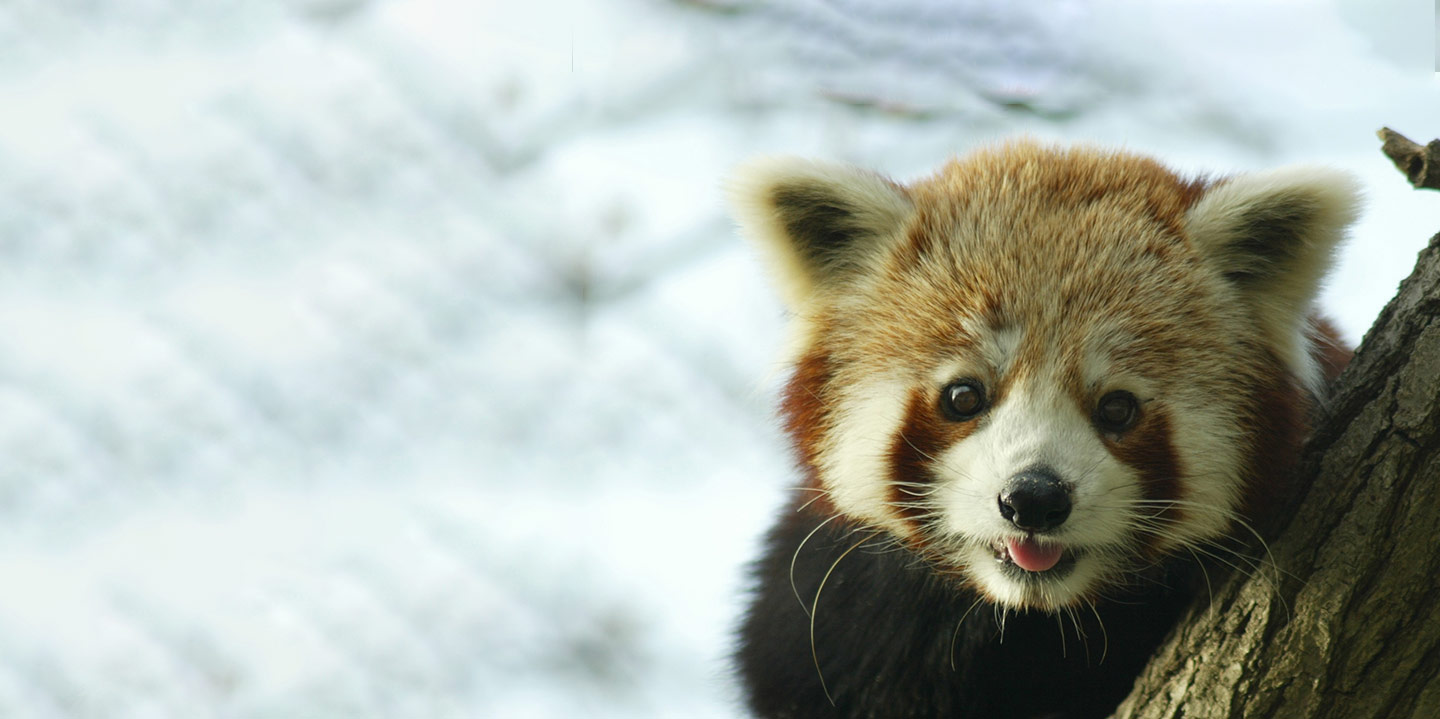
[1342,620]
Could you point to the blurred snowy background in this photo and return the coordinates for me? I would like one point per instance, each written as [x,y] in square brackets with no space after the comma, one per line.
[395,358]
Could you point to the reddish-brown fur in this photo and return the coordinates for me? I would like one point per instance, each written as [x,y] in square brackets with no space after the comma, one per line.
[804,411]
[922,437]
[1149,451]
[1279,425]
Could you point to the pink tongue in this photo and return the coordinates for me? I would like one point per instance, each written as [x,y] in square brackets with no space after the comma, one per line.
[1032,557]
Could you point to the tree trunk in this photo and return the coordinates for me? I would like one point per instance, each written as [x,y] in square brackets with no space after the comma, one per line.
[1343,618]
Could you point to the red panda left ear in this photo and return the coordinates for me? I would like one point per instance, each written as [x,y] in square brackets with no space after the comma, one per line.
[818,224]
[1273,236]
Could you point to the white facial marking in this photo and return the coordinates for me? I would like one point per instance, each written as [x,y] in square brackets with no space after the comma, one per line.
[854,462]
[995,348]
[1208,447]
[1036,425]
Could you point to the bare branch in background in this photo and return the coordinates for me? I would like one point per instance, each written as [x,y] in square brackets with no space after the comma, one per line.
[1420,163]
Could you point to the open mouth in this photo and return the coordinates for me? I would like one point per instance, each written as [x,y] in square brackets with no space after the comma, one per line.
[1029,558]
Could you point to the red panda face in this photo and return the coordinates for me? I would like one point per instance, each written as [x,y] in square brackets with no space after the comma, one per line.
[1043,370]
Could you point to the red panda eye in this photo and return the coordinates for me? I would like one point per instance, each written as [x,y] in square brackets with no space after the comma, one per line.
[1117,411]
[962,400]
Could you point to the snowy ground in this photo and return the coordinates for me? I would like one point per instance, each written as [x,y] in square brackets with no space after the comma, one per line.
[396,359]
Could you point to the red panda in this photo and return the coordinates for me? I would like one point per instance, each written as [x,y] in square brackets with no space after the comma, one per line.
[1029,395]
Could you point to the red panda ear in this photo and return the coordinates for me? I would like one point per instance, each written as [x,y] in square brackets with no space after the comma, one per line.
[1273,236]
[815,222]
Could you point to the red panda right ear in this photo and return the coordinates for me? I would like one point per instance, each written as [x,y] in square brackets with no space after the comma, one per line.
[1272,235]
[816,222]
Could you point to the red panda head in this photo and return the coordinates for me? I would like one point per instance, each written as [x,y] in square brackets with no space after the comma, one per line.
[1043,369]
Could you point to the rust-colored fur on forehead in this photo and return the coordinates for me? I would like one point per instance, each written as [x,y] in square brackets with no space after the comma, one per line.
[1063,178]
[1054,241]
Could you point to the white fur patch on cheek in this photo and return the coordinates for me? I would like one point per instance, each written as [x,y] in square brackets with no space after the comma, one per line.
[1211,488]
[854,460]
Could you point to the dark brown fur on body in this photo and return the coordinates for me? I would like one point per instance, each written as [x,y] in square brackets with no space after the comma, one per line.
[894,638]
[1138,355]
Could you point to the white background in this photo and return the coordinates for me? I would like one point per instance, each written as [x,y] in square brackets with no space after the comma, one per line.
[397,359]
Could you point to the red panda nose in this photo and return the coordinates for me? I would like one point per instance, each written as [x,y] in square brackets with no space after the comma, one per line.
[1035,500]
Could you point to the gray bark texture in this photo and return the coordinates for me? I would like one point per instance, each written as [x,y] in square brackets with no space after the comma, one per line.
[1342,619]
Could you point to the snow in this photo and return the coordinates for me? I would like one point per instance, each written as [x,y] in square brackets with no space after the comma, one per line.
[397,359]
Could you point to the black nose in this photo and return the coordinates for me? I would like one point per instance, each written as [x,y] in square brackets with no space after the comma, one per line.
[1035,500]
